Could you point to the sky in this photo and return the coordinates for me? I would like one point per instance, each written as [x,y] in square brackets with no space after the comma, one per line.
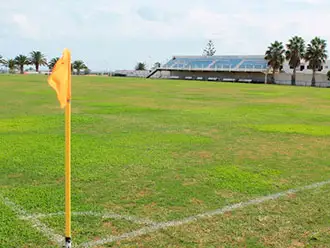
[116,34]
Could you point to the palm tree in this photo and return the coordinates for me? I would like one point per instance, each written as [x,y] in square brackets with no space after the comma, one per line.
[156,65]
[2,61]
[87,71]
[52,62]
[21,61]
[275,57]
[37,59]
[78,65]
[316,55]
[294,54]
[11,63]
[140,66]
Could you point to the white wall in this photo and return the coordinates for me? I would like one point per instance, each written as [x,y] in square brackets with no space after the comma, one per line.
[326,68]
[302,79]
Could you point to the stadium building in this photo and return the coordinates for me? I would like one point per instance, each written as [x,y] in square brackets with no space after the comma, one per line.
[252,69]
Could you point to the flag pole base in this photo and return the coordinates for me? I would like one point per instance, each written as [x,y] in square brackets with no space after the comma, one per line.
[67,242]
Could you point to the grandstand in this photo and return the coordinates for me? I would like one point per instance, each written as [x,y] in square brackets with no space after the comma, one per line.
[247,68]
[226,63]
[215,68]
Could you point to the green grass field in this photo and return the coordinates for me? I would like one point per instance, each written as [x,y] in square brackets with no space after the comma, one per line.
[165,150]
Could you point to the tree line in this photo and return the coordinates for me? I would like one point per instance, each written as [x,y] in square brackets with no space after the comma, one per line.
[38,59]
[296,51]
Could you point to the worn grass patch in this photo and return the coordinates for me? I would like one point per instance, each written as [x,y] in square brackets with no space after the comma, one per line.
[102,227]
[297,220]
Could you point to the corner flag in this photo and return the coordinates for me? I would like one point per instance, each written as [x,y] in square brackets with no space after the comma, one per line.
[60,81]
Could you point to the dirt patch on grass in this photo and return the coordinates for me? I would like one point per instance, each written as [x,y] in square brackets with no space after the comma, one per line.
[283,100]
[266,147]
[189,181]
[292,196]
[205,154]
[226,193]
[150,206]
[60,180]
[16,175]
[264,150]
[109,226]
[143,193]
[213,90]
[195,157]
[297,243]
[196,201]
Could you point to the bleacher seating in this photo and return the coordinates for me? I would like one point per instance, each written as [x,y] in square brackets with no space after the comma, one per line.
[200,64]
[226,63]
[179,65]
[230,63]
[169,63]
[256,63]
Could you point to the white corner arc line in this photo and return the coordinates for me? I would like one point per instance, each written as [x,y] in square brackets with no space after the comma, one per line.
[37,224]
[164,225]
[94,214]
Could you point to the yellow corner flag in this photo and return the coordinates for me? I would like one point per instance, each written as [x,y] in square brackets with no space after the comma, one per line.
[60,81]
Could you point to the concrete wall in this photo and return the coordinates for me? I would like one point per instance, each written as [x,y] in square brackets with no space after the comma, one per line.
[255,76]
[325,68]
[161,74]
[303,79]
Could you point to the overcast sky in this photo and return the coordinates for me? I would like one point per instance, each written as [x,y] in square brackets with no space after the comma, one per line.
[115,34]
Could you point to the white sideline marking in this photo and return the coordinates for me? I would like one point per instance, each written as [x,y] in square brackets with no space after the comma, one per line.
[41,227]
[164,225]
[94,214]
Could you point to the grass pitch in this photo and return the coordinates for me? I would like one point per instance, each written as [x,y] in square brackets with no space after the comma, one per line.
[164,150]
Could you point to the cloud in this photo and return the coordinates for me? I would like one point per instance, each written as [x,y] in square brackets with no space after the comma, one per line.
[148,14]
[25,26]
[122,32]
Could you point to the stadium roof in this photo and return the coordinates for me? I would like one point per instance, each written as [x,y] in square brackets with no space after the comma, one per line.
[219,56]
[215,63]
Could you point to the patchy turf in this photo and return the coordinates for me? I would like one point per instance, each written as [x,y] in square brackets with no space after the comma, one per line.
[298,220]
[158,149]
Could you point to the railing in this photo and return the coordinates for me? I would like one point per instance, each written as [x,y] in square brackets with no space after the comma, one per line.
[234,69]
